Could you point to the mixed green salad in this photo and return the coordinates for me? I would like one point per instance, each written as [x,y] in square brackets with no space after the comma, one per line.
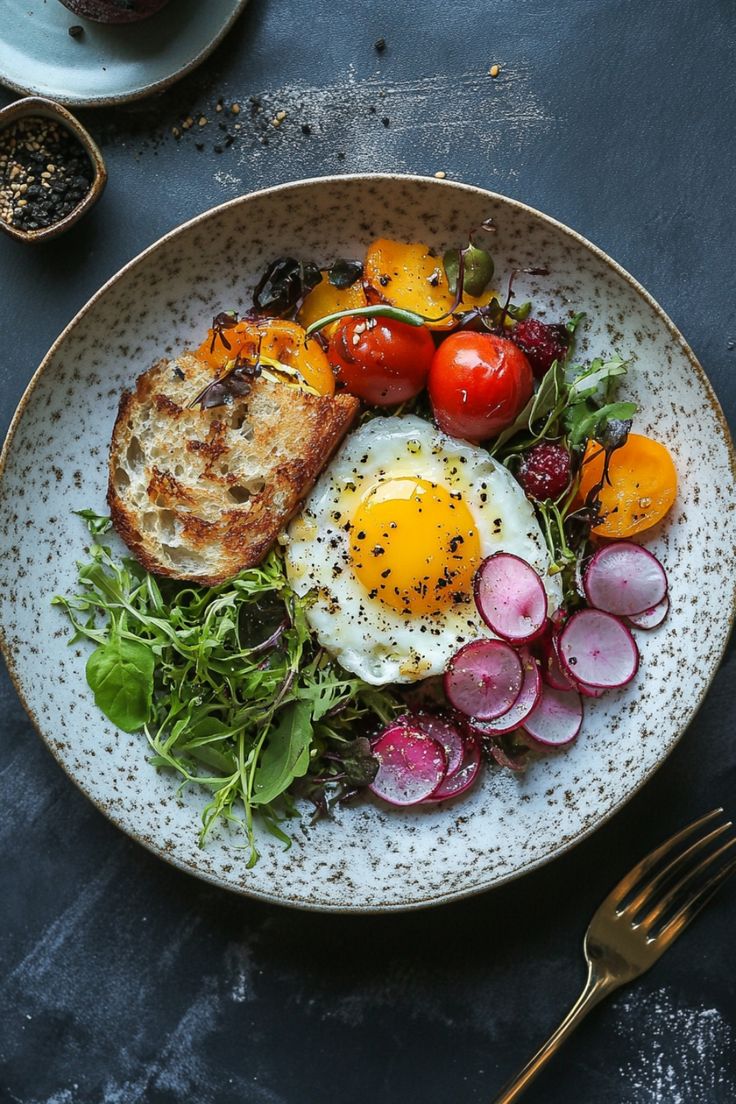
[230,687]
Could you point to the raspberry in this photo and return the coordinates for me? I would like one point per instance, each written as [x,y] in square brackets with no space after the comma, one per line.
[545,471]
[542,342]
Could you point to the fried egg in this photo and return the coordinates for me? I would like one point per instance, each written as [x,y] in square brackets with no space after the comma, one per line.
[389,541]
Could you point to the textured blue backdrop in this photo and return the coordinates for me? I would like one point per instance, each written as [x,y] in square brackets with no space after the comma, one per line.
[122,980]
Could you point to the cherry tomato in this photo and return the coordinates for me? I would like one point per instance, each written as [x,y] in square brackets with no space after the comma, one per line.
[380,360]
[478,383]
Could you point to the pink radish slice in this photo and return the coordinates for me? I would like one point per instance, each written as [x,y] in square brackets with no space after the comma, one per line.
[411,765]
[651,618]
[510,597]
[531,688]
[446,734]
[590,691]
[484,679]
[556,718]
[463,778]
[624,579]
[552,673]
[597,649]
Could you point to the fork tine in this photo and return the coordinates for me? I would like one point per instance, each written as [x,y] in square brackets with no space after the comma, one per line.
[634,876]
[688,881]
[649,888]
[694,904]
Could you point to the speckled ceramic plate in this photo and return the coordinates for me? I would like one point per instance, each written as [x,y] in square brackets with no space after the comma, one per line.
[369,857]
[108,63]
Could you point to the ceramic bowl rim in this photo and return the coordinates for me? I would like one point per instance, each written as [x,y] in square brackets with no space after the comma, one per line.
[378,178]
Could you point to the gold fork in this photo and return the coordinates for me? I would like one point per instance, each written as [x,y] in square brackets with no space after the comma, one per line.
[639,919]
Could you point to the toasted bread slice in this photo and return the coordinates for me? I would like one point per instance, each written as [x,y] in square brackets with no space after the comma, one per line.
[202,494]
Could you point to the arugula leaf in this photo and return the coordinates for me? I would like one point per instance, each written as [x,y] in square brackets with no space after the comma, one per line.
[567,398]
[574,322]
[542,404]
[120,674]
[286,755]
[583,422]
[597,379]
[96,523]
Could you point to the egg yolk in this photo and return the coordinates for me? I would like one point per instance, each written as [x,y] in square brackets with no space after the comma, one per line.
[414,545]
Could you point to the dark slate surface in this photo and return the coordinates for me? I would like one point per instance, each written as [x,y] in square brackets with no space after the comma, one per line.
[123,980]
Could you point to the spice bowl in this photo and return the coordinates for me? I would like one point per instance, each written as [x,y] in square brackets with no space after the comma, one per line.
[51,170]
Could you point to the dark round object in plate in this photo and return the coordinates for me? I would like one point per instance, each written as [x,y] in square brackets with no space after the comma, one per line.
[114,11]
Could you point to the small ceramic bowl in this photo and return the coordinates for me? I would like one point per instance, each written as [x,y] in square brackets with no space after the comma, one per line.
[33,107]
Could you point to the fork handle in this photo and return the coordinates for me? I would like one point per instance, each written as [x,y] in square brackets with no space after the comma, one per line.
[596,988]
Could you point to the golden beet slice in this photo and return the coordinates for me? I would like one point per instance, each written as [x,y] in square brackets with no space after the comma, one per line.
[409,276]
[276,339]
[326,299]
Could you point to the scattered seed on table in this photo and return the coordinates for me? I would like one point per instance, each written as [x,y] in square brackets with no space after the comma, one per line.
[494,71]
[235,108]
[379,45]
[76,31]
[441,174]
[202,120]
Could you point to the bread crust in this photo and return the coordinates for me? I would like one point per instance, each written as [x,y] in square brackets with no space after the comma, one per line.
[202,495]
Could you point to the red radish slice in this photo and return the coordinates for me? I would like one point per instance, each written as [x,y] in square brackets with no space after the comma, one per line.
[484,679]
[624,579]
[597,649]
[531,688]
[511,598]
[552,673]
[446,734]
[651,618]
[462,779]
[411,765]
[556,719]
[590,691]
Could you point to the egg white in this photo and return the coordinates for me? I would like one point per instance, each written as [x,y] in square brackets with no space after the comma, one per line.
[367,637]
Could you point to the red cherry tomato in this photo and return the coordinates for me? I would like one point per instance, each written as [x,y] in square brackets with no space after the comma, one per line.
[379,360]
[478,383]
